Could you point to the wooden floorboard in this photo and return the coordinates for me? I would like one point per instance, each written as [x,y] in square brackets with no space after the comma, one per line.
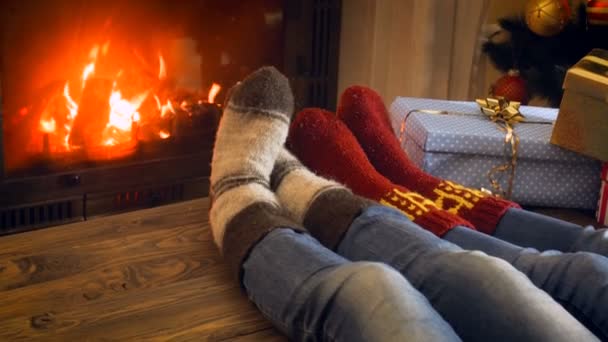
[146,275]
[149,275]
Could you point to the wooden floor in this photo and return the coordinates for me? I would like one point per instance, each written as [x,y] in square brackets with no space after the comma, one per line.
[152,274]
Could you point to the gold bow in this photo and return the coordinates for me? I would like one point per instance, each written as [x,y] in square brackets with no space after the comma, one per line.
[505,114]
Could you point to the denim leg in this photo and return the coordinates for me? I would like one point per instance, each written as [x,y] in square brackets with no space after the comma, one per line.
[482,297]
[528,229]
[313,294]
[579,281]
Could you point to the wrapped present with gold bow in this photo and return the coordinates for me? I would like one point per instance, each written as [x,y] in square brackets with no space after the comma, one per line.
[582,123]
[496,145]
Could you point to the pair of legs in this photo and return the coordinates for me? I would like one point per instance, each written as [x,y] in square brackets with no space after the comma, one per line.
[312,293]
[579,281]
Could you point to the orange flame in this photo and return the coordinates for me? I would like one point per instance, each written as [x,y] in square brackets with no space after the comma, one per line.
[109,142]
[105,48]
[71,104]
[90,68]
[164,134]
[47,126]
[215,89]
[94,51]
[166,109]
[162,69]
[124,113]
[88,71]
[158,105]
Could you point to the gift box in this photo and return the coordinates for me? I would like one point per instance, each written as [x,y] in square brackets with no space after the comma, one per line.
[464,145]
[602,206]
[582,123]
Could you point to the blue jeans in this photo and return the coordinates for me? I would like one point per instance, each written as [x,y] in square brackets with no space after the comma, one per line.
[529,229]
[482,297]
[579,281]
[312,294]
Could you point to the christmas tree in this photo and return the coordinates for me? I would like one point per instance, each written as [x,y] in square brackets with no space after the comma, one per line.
[536,48]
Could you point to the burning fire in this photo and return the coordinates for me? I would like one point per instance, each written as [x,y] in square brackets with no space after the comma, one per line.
[114,118]
[47,125]
[164,134]
[215,89]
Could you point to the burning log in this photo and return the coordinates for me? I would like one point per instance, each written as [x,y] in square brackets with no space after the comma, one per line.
[93,113]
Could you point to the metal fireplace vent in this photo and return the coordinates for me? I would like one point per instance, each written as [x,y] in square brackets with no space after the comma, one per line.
[78,208]
[325,22]
[40,215]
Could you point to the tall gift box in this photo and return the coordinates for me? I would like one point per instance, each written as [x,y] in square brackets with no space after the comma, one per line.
[463,148]
[602,207]
[582,123]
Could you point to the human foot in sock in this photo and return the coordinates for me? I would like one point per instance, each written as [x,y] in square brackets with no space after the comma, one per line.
[365,114]
[324,207]
[326,146]
[250,135]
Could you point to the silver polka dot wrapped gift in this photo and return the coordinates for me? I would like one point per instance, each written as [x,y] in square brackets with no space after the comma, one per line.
[463,145]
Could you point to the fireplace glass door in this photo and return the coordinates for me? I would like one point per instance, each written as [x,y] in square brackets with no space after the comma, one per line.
[112,105]
[89,83]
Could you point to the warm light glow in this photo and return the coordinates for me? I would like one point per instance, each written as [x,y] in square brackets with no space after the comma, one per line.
[166,109]
[158,105]
[105,48]
[94,51]
[123,112]
[109,142]
[88,71]
[71,104]
[164,134]
[215,89]
[90,68]
[162,69]
[47,126]
[184,105]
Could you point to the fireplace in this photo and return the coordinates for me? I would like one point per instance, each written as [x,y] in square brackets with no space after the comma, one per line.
[112,105]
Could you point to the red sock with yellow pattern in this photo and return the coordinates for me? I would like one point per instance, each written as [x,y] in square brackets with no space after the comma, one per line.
[365,114]
[326,146]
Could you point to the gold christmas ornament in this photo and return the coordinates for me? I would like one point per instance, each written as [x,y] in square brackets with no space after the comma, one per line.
[547,17]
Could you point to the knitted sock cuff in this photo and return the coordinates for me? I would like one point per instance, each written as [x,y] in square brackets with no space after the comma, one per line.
[481,209]
[331,214]
[423,211]
[225,207]
[487,213]
[249,227]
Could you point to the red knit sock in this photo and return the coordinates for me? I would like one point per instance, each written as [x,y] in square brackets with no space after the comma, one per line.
[327,147]
[364,112]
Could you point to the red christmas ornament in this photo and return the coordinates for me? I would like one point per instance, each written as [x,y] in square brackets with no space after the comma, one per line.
[597,12]
[512,87]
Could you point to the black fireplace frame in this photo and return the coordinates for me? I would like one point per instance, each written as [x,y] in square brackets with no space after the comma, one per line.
[311,45]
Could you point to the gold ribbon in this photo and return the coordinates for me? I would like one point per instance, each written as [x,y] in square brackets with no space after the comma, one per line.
[505,114]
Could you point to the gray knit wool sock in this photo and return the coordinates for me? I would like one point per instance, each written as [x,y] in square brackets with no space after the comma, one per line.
[250,135]
[325,208]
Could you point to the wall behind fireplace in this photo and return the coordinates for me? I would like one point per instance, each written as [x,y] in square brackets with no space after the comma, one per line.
[424,48]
